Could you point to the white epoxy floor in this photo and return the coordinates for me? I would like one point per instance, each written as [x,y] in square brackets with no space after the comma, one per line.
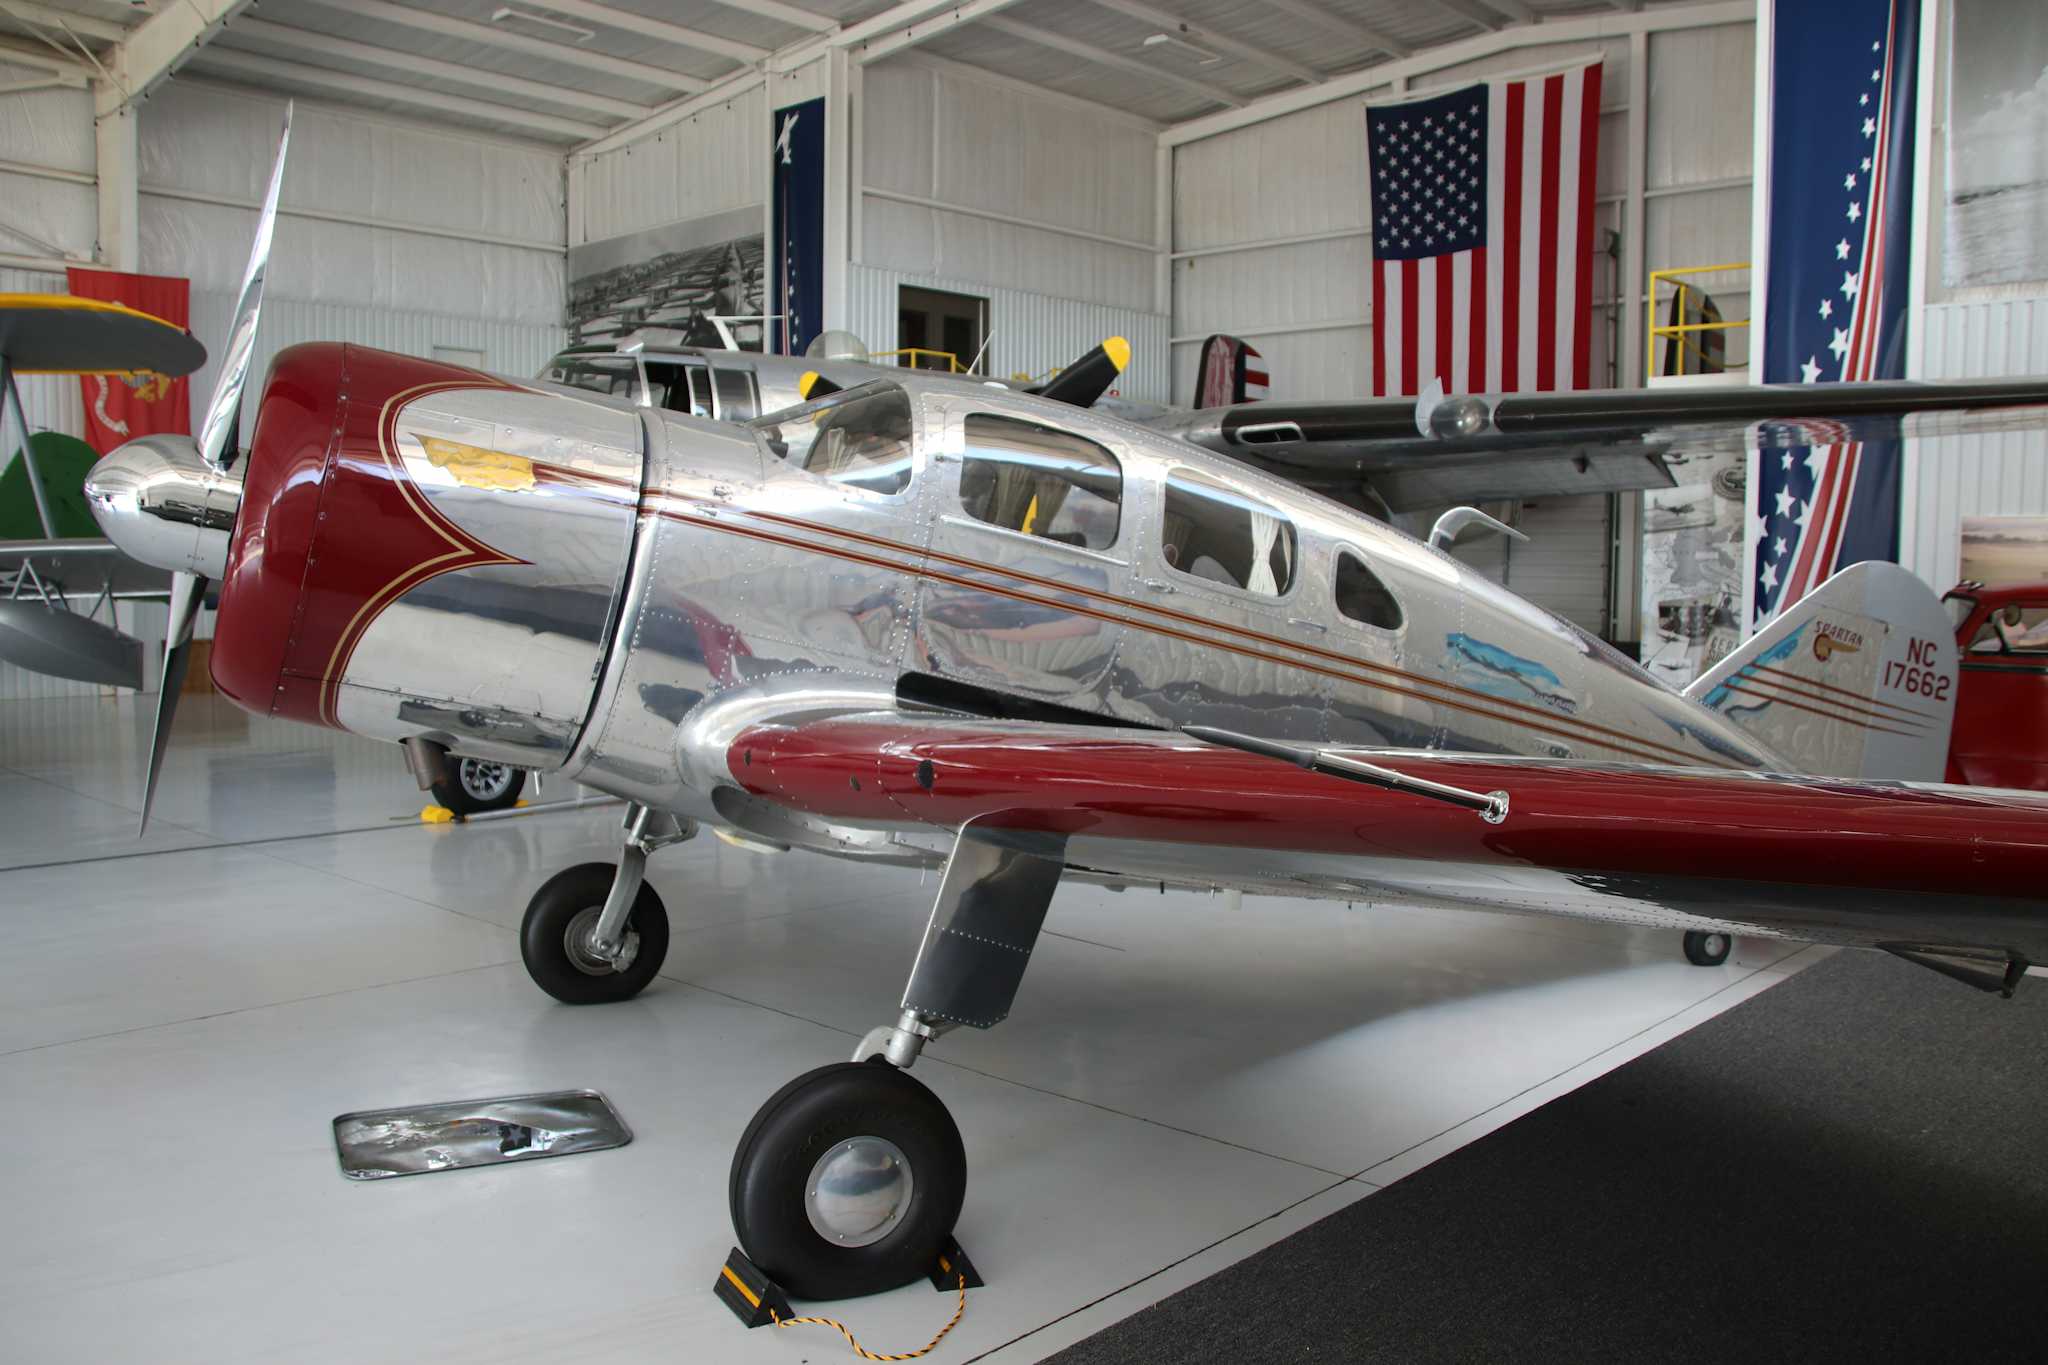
[1182,1082]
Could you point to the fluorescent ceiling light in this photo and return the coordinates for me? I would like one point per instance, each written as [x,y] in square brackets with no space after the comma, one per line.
[527,22]
[1202,55]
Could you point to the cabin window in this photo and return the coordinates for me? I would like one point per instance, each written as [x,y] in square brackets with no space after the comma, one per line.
[1217,534]
[859,438]
[617,376]
[1362,596]
[1040,482]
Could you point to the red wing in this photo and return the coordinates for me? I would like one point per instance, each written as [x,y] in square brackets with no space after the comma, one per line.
[1619,820]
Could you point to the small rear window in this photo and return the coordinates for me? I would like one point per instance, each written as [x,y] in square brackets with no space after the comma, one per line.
[1362,596]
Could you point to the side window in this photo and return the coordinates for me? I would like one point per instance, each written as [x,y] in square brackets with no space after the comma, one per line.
[1362,596]
[614,375]
[681,387]
[1219,535]
[1041,482]
[860,438]
[2013,630]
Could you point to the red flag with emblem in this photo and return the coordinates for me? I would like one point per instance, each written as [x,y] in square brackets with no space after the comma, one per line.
[120,407]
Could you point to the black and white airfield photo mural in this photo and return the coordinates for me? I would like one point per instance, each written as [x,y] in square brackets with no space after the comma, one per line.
[1997,143]
[677,275]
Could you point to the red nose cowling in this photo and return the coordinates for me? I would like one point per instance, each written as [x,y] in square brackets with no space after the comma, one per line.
[327,534]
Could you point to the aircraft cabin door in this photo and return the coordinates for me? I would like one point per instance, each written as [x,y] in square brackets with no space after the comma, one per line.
[1027,558]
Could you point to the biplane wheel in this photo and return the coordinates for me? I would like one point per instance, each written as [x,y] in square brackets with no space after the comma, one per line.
[554,938]
[848,1181]
[480,784]
[1707,949]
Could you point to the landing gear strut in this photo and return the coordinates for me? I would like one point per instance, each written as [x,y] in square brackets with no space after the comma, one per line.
[594,934]
[849,1180]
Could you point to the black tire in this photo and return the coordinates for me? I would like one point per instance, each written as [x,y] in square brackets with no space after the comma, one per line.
[552,962]
[1705,948]
[803,1122]
[477,785]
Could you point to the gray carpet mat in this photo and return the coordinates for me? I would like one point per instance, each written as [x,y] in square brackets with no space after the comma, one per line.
[1851,1166]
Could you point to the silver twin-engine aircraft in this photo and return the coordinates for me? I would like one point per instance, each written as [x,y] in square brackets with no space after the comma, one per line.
[926,621]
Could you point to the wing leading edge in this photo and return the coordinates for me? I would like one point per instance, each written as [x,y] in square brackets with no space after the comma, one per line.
[1589,441]
[1803,857]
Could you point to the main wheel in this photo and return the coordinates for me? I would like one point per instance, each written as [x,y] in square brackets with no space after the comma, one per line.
[848,1181]
[480,784]
[554,938]
[1706,949]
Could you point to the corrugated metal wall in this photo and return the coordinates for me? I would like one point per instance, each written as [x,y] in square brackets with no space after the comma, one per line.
[713,162]
[1999,475]
[1033,333]
[1050,197]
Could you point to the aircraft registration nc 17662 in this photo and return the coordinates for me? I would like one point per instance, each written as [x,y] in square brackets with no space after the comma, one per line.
[931,622]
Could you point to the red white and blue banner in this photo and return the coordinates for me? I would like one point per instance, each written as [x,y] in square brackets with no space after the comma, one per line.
[798,176]
[1840,217]
[1482,236]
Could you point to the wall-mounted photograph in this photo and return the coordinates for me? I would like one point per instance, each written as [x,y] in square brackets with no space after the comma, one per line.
[1997,143]
[1998,551]
[679,275]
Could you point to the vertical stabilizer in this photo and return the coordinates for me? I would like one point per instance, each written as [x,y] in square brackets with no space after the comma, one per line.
[1856,679]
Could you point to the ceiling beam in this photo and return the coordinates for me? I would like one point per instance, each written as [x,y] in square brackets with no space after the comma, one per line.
[156,47]
[1220,42]
[391,59]
[1483,12]
[949,19]
[1090,53]
[322,78]
[784,14]
[84,25]
[431,21]
[73,70]
[1318,17]
[662,31]
[896,17]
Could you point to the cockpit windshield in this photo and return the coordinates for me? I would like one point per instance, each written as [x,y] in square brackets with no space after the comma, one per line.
[860,438]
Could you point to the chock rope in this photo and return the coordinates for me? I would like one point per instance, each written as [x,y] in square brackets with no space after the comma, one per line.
[863,1352]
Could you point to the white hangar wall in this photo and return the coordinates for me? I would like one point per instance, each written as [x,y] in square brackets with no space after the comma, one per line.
[1962,333]
[390,234]
[1047,206]
[1270,215]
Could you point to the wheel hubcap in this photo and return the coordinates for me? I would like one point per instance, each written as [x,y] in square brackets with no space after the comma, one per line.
[1716,945]
[579,943]
[484,780]
[859,1191]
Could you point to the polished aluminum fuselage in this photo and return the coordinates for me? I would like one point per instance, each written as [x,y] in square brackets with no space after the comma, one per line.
[759,590]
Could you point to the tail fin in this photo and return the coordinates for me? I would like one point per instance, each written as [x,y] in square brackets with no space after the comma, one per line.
[1856,679]
[1229,372]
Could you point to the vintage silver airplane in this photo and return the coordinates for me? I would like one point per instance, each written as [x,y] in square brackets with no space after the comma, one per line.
[931,622]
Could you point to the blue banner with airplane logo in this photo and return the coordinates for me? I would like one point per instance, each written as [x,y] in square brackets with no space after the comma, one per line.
[798,175]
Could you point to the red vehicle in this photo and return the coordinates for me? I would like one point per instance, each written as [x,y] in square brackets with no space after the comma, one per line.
[2001,731]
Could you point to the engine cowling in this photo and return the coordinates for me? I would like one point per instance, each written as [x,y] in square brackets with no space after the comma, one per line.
[425,550]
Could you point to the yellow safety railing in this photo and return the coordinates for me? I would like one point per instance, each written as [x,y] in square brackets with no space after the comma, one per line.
[1685,333]
[916,355]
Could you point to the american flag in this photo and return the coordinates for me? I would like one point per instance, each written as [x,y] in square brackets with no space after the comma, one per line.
[1482,236]
[1840,209]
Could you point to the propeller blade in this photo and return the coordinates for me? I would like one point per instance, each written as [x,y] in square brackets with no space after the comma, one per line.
[814,385]
[224,410]
[188,594]
[1088,378]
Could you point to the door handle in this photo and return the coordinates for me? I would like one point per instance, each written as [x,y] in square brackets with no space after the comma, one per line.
[1304,623]
[1156,584]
